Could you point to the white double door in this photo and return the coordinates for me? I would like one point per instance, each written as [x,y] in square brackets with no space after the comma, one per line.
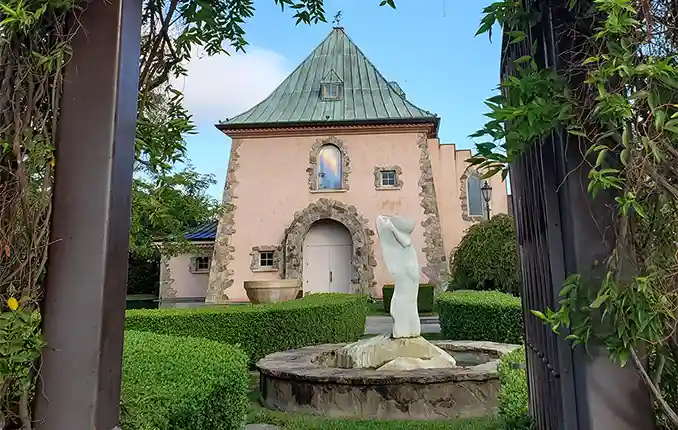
[327,259]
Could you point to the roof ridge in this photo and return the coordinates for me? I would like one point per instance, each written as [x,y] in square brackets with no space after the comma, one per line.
[378,73]
[366,95]
[299,66]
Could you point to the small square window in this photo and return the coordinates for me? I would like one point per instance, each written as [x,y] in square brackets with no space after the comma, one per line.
[388,178]
[202,264]
[266,259]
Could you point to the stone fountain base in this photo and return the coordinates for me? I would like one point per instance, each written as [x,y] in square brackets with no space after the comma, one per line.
[303,381]
[386,353]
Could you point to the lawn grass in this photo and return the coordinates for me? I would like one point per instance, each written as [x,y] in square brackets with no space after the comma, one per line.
[307,422]
[376,309]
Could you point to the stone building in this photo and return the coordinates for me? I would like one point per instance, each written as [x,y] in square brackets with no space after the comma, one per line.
[312,165]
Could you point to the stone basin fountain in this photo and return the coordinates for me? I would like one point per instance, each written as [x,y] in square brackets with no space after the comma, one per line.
[399,375]
[303,380]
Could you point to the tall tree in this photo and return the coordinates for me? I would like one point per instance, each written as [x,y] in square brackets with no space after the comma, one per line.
[165,206]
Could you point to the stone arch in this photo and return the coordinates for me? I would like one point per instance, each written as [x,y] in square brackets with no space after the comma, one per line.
[313,162]
[363,259]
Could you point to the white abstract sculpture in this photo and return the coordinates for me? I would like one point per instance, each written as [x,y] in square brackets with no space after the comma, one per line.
[401,261]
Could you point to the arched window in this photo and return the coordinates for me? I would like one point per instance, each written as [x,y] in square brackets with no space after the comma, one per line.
[474,195]
[329,168]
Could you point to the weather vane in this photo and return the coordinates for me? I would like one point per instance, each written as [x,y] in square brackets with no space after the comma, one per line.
[337,19]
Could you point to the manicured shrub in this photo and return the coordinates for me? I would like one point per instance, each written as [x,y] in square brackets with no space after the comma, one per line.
[668,385]
[424,299]
[513,392]
[262,329]
[480,315]
[487,258]
[182,383]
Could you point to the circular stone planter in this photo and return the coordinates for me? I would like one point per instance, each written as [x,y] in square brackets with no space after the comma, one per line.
[272,291]
[297,381]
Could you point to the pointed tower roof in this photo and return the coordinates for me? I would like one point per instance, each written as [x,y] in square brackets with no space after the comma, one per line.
[360,94]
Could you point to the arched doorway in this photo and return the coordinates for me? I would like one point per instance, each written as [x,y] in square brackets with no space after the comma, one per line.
[327,258]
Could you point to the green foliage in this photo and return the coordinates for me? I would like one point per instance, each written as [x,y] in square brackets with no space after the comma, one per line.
[182,383]
[164,207]
[20,345]
[513,396]
[487,257]
[616,94]
[262,329]
[480,315]
[424,298]
[143,275]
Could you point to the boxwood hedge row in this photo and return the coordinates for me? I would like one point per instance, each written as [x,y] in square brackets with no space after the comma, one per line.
[513,397]
[182,383]
[424,298]
[480,315]
[262,329]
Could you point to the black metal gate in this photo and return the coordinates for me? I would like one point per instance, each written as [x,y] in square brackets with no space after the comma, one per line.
[535,179]
[561,230]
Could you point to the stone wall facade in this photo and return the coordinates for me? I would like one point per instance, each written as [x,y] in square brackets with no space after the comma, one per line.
[221,277]
[167,290]
[436,261]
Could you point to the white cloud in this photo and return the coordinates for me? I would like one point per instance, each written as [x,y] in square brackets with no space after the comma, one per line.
[223,86]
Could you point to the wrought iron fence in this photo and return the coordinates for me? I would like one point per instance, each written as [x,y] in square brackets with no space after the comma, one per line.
[535,179]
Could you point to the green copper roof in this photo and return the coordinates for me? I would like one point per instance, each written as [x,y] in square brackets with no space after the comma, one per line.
[367,96]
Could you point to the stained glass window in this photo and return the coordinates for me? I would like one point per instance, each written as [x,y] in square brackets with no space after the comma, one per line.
[329,168]
[474,195]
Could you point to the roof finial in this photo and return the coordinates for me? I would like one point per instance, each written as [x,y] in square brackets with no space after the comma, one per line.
[337,20]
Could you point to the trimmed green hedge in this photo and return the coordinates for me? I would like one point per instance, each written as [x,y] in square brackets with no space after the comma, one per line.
[182,383]
[262,329]
[513,392]
[480,315]
[424,299]
[487,258]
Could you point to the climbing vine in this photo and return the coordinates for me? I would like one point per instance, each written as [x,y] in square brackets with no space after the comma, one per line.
[617,94]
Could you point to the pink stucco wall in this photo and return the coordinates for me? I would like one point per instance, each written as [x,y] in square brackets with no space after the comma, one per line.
[273,183]
[449,165]
[178,281]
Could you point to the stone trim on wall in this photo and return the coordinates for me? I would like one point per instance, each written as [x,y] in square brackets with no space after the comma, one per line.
[436,261]
[167,291]
[463,197]
[313,164]
[377,177]
[221,277]
[364,261]
[256,260]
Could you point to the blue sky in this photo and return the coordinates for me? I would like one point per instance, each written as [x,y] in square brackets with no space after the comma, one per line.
[427,46]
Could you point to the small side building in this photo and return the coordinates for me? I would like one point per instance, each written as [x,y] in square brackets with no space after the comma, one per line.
[184,277]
